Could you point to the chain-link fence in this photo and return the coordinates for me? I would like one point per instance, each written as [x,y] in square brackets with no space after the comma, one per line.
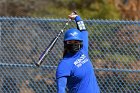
[114,48]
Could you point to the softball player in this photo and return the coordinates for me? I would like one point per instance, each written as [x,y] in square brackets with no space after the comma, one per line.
[75,70]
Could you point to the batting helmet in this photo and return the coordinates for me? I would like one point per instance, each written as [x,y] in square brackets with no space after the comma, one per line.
[72,34]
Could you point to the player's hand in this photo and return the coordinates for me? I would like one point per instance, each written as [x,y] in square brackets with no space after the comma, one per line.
[72,15]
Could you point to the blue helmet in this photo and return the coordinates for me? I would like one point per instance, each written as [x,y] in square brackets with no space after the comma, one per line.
[72,34]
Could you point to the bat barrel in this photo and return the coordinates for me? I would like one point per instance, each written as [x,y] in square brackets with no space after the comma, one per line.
[42,57]
[38,63]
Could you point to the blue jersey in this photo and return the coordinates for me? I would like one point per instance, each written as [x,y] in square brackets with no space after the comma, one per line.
[79,70]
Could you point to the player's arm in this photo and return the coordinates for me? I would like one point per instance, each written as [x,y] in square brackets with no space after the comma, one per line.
[82,28]
[63,71]
[61,84]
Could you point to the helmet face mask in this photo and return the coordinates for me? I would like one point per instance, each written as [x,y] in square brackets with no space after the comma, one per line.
[72,41]
[72,47]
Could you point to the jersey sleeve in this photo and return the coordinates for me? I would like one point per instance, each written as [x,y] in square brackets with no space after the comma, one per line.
[61,84]
[84,32]
[63,69]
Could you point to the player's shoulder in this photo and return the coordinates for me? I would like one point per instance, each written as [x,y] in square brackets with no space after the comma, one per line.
[65,62]
[84,51]
[64,65]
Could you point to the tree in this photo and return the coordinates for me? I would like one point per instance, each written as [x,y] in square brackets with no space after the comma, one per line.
[98,9]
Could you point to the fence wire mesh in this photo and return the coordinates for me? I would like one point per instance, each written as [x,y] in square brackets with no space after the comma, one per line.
[114,48]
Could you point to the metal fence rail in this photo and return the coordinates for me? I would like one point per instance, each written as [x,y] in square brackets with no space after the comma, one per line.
[114,48]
